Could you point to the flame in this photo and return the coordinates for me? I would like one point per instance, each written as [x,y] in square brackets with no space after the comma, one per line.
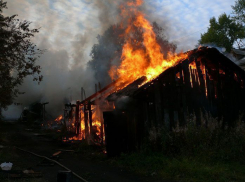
[193,65]
[82,125]
[59,118]
[205,78]
[193,70]
[137,3]
[178,75]
[96,124]
[141,58]
[190,70]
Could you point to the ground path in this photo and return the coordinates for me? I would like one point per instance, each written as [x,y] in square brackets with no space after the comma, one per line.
[91,169]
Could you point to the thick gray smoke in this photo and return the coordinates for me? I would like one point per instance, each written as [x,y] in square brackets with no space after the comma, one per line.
[68,37]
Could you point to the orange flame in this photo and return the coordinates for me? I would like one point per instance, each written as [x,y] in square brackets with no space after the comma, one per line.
[137,3]
[96,124]
[141,59]
[178,75]
[59,118]
[193,70]
[96,120]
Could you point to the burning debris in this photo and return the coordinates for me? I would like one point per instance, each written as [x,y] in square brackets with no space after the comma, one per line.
[199,83]
[153,90]
[142,56]
[84,120]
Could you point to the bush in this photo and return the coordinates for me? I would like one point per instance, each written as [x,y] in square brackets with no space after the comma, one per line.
[209,140]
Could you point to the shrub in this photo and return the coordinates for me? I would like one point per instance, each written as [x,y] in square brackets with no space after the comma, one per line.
[209,140]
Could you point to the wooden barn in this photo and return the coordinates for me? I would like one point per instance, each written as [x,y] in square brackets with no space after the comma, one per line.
[205,82]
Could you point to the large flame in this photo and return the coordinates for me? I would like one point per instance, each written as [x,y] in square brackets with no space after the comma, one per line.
[141,58]
[59,118]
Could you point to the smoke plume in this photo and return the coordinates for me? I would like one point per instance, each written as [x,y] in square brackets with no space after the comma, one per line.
[68,37]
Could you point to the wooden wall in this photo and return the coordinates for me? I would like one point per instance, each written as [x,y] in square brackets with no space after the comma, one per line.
[180,91]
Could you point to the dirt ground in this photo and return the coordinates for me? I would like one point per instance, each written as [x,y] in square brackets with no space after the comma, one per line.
[15,135]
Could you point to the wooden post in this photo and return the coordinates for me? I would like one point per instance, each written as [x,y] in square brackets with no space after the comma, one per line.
[90,120]
[102,125]
[86,120]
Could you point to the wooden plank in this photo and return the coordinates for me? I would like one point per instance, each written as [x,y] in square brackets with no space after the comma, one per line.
[86,121]
[90,114]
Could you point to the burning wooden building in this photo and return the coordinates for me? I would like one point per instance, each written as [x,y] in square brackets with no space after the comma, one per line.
[203,81]
[156,89]
[206,81]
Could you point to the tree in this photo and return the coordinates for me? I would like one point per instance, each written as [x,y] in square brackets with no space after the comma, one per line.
[239,11]
[224,32]
[18,56]
[108,51]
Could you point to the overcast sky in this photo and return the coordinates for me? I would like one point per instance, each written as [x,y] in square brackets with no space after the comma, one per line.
[63,21]
[69,29]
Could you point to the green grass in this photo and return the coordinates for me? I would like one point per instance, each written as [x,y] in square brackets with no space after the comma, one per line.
[182,168]
[191,154]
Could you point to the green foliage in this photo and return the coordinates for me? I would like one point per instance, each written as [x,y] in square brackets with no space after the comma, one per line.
[223,32]
[18,56]
[239,11]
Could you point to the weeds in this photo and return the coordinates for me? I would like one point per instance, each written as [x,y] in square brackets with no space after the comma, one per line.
[209,140]
[208,152]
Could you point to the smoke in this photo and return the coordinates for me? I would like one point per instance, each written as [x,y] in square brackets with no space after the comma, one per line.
[107,53]
[68,37]
[64,63]
[109,13]
[60,85]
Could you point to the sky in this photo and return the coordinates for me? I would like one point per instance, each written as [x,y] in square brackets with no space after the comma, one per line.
[68,30]
[64,21]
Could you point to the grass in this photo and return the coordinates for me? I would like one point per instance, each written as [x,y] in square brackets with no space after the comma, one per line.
[192,154]
[181,168]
